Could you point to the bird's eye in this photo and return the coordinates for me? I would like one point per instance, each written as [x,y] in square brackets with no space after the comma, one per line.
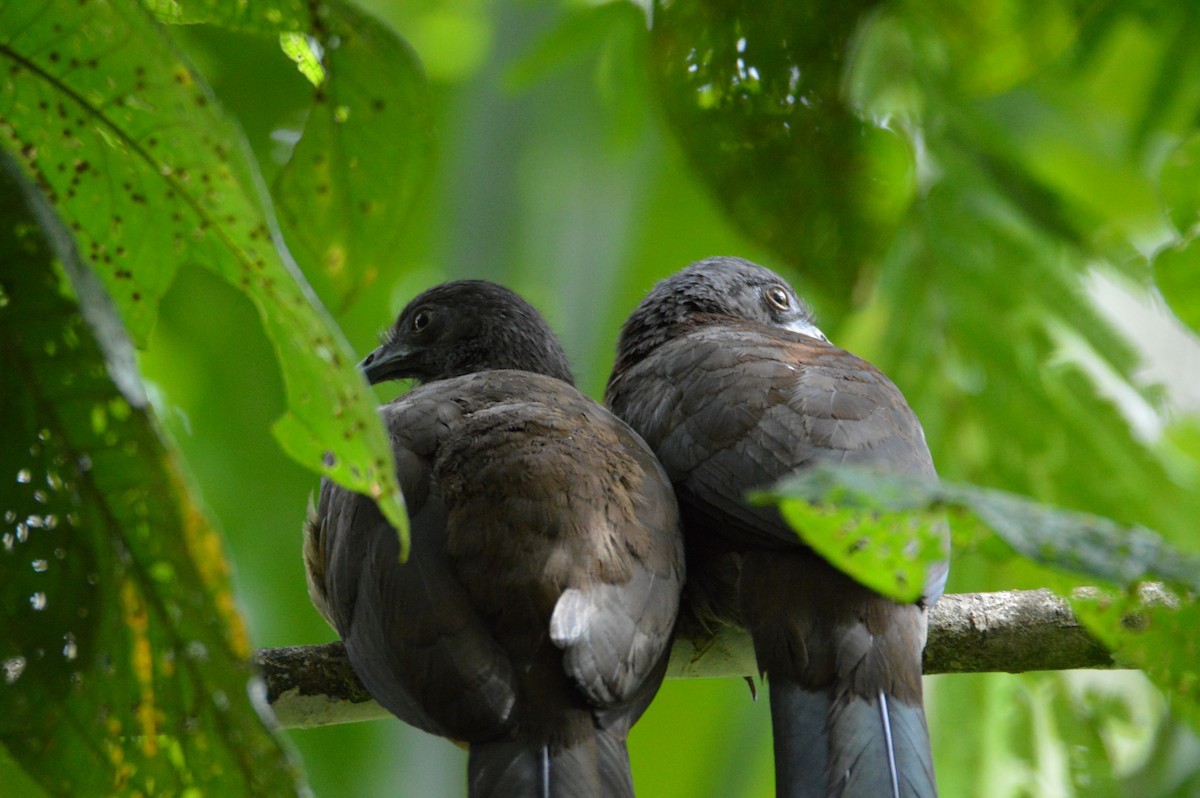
[420,320]
[777,295]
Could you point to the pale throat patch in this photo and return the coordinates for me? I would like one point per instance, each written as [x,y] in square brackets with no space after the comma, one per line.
[805,328]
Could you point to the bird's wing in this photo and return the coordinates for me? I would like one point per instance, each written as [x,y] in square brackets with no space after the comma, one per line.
[615,633]
[584,534]
[411,633]
[729,409]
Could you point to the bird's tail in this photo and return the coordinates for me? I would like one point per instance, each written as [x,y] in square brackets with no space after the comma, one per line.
[595,767]
[831,745]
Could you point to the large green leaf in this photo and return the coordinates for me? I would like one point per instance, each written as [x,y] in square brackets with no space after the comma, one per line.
[367,147]
[125,662]
[1074,550]
[1089,546]
[125,139]
[889,552]
[886,531]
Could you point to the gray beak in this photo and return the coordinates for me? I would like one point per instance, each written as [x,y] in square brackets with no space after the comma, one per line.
[388,362]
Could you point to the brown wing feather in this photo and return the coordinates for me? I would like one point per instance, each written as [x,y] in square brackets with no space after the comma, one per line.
[728,409]
[521,491]
[798,401]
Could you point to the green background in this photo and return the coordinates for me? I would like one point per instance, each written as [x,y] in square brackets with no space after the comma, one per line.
[952,186]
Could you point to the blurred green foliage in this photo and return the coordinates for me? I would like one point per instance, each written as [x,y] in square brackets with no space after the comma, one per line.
[940,179]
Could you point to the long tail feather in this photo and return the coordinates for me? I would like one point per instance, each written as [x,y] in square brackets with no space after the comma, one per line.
[798,726]
[848,748]
[879,748]
[594,768]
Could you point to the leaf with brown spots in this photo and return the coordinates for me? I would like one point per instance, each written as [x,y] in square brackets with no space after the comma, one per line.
[126,141]
[881,529]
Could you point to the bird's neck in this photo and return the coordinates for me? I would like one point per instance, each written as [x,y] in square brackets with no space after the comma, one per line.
[649,329]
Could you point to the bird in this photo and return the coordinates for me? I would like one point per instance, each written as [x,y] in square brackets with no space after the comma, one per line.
[722,370]
[533,618]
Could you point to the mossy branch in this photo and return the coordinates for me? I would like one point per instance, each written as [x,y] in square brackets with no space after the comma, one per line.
[1009,632]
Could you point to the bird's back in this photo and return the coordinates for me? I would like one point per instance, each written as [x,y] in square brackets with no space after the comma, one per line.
[541,591]
[730,406]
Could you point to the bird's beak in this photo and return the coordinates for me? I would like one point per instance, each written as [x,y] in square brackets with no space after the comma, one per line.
[388,362]
[806,328]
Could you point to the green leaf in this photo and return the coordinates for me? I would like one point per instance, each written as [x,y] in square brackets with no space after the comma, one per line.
[261,16]
[756,101]
[1078,543]
[298,47]
[148,174]
[366,152]
[126,664]
[1177,274]
[1161,636]
[888,551]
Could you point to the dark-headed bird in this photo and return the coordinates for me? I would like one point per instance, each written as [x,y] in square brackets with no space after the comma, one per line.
[533,618]
[723,372]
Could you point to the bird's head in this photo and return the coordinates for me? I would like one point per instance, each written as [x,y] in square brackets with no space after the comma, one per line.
[463,327]
[711,291]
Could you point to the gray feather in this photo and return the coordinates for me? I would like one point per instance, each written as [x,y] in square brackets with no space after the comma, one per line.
[613,635]
[798,720]
[597,767]
[874,754]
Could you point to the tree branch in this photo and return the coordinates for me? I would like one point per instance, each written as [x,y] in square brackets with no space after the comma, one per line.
[1011,632]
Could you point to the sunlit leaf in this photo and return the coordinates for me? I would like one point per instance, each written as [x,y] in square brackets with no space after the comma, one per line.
[1079,543]
[888,551]
[1074,550]
[299,48]
[148,174]
[124,660]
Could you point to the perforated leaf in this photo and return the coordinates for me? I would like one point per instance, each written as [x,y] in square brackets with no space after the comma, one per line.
[1072,549]
[126,141]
